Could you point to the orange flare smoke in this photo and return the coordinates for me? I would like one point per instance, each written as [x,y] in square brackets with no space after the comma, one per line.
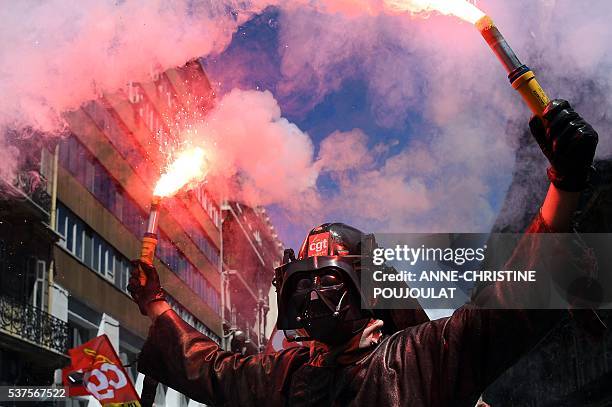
[188,167]
[458,8]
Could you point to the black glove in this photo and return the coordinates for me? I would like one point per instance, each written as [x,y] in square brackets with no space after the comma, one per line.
[568,142]
[144,293]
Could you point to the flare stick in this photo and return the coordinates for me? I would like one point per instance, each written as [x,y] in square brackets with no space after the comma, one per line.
[521,77]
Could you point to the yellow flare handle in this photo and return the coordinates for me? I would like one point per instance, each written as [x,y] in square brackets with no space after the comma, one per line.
[147,252]
[526,84]
[532,93]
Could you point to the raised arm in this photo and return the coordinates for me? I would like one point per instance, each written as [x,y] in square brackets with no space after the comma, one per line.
[470,349]
[504,335]
[181,357]
[569,143]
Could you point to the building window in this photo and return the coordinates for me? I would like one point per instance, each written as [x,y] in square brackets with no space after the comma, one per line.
[119,205]
[79,231]
[40,286]
[88,247]
[109,262]
[123,267]
[97,252]
[90,176]
[61,225]
[71,231]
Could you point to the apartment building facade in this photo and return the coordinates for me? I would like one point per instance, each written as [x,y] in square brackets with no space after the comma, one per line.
[33,337]
[73,219]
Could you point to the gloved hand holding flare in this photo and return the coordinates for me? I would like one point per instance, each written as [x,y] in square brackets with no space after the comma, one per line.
[521,77]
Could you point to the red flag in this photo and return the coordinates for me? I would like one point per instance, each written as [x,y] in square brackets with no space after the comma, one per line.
[96,370]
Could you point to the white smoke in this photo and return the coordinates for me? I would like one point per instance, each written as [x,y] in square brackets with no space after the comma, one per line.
[56,55]
[440,69]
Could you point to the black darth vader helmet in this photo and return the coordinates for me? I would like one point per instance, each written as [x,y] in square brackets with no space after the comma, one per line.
[318,293]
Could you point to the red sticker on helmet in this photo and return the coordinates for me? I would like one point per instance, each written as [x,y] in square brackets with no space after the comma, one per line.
[318,245]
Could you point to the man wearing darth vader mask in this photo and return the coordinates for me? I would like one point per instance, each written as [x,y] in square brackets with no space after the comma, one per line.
[354,356]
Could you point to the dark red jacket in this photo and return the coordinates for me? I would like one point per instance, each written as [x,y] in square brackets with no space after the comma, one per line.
[449,361]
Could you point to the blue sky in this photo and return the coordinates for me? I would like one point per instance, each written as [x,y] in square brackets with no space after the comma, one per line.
[253,53]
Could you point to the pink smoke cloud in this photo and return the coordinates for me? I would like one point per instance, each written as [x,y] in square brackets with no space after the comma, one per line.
[270,159]
[57,55]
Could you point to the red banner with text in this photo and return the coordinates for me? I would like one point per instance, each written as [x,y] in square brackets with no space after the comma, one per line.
[97,371]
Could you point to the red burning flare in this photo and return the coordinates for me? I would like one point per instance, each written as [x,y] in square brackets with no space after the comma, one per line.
[189,166]
[462,9]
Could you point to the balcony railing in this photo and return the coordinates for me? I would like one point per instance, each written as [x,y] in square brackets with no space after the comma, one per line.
[33,325]
[34,185]
[30,189]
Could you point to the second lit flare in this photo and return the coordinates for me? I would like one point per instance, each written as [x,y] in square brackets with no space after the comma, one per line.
[458,8]
[520,76]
